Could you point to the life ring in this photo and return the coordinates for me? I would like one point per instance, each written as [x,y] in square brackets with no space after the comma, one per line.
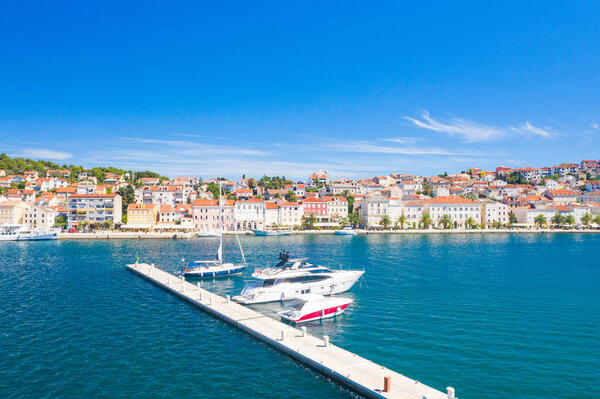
[187,270]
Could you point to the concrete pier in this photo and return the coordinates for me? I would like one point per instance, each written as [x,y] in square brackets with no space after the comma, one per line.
[356,373]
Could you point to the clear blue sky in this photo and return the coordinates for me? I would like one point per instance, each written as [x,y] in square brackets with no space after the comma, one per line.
[288,87]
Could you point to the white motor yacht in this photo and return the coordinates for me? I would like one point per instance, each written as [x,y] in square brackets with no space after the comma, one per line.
[294,277]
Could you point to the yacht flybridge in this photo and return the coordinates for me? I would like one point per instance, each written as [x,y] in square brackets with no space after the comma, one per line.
[291,278]
[215,267]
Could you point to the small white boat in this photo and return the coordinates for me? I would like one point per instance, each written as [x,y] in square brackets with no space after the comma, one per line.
[270,233]
[314,307]
[209,234]
[346,231]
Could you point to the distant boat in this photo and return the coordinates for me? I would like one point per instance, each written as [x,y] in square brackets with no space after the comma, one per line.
[209,234]
[16,232]
[270,233]
[346,231]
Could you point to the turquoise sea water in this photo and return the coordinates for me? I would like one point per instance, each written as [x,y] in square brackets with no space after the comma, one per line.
[495,316]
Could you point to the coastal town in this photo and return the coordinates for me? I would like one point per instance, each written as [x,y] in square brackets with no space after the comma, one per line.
[565,196]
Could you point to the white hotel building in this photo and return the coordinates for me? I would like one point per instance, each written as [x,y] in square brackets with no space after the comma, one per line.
[459,209]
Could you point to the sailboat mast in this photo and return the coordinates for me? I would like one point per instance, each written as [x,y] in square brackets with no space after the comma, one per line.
[221,220]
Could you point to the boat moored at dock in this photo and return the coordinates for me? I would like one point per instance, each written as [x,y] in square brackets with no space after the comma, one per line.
[293,277]
[314,307]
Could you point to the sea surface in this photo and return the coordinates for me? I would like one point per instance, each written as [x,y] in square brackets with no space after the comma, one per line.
[495,316]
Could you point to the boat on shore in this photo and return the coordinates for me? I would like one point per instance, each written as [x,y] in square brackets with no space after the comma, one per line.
[314,307]
[270,233]
[17,232]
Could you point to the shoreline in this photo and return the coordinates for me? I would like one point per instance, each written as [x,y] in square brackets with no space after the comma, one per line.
[156,235]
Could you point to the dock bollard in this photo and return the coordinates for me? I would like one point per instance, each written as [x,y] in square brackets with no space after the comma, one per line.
[199,291]
[168,280]
[387,382]
[182,284]
[303,330]
[326,340]
[228,298]
[282,334]
[209,300]
[450,392]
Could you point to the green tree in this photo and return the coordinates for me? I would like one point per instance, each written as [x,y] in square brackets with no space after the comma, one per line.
[425,221]
[107,225]
[570,220]
[355,219]
[290,196]
[309,221]
[596,220]
[127,194]
[471,223]
[540,220]
[512,219]
[586,219]
[60,221]
[401,221]
[558,220]
[385,221]
[344,222]
[445,222]
[214,189]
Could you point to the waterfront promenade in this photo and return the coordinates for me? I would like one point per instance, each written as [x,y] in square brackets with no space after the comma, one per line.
[111,235]
[347,368]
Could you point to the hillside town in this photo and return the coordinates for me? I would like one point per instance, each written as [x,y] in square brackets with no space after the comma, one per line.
[562,196]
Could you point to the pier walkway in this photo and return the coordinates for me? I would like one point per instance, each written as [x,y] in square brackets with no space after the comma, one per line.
[356,373]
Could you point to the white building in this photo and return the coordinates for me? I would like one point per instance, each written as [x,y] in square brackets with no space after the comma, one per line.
[290,214]
[161,195]
[11,212]
[250,214]
[94,208]
[527,214]
[492,211]
[457,208]
[41,217]
[337,207]
[372,208]
[413,212]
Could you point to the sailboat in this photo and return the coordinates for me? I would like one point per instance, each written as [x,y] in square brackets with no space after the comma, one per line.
[216,267]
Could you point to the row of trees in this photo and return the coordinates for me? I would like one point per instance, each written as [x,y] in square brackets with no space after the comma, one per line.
[560,220]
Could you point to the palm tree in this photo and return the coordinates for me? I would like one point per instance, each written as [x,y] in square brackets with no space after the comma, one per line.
[425,221]
[540,220]
[471,222]
[596,220]
[344,222]
[309,221]
[570,220]
[355,219]
[445,221]
[558,220]
[385,221]
[586,219]
[401,220]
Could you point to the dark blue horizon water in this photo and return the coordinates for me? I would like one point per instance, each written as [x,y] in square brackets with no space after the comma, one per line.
[494,316]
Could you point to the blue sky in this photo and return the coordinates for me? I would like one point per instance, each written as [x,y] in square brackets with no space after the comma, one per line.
[226,88]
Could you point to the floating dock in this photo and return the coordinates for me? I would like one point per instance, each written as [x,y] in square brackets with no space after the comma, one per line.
[354,372]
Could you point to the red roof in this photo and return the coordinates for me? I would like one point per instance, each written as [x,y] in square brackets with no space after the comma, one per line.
[93,195]
[271,205]
[450,199]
